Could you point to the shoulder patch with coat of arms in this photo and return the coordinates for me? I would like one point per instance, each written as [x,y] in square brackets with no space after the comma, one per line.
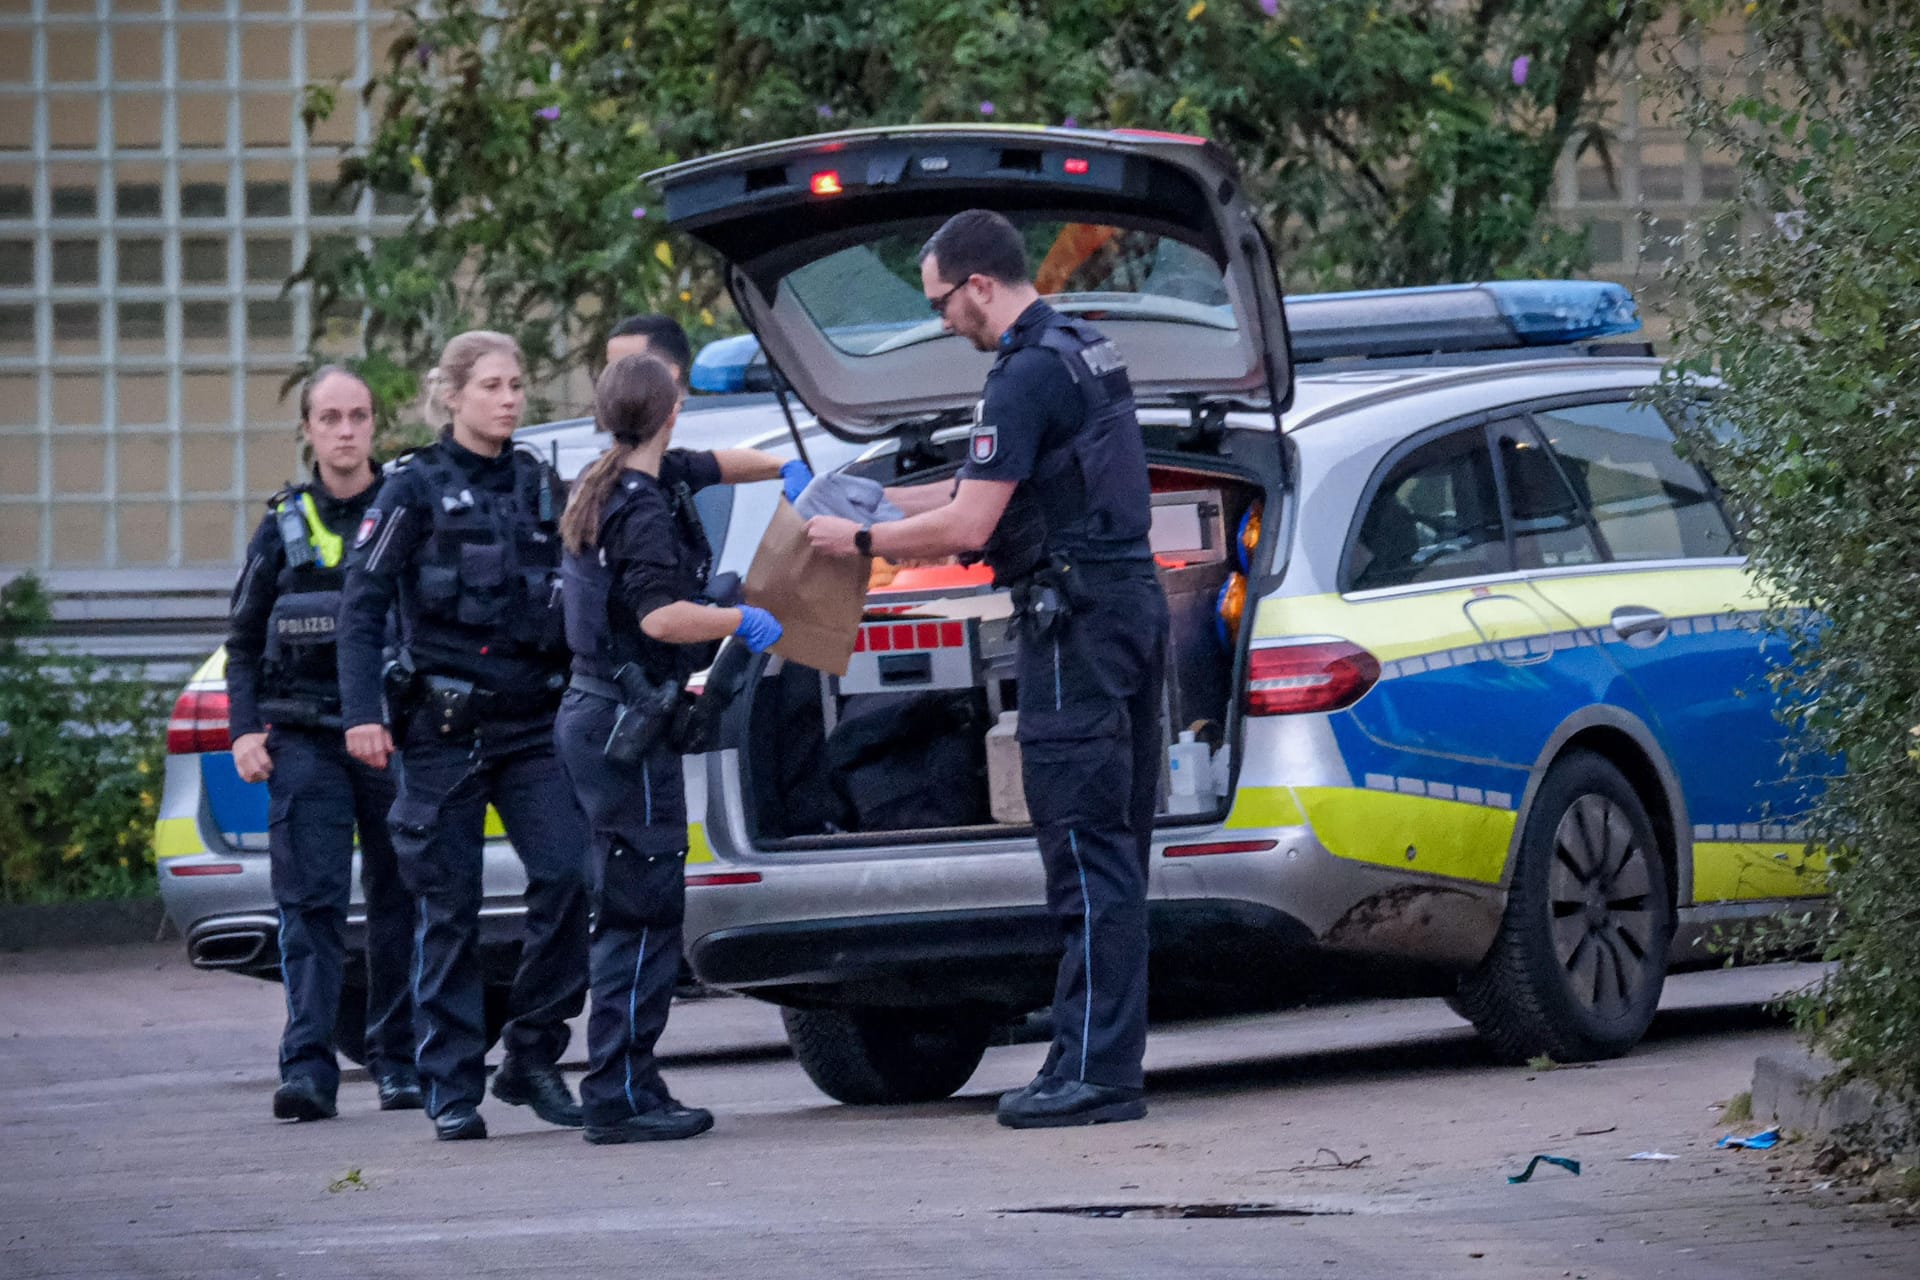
[984,444]
[367,526]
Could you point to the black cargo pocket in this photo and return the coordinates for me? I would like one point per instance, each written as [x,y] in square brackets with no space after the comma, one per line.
[538,620]
[411,823]
[1076,763]
[483,577]
[631,888]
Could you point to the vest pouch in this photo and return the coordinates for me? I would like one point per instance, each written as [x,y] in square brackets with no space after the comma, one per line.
[483,584]
[300,633]
[438,587]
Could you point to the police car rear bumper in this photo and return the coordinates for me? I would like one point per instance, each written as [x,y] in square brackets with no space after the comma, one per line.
[1003,956]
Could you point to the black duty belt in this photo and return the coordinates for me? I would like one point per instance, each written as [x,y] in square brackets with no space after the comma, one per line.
[595,687]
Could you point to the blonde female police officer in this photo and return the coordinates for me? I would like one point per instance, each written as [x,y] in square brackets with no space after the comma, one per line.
[636,573]
[463,540]
[281,673]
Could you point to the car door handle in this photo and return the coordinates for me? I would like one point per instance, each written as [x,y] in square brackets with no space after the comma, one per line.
[1639,626]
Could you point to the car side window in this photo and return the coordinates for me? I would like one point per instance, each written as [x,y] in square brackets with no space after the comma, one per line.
[1647,501]
[1550,527]
[1435,516]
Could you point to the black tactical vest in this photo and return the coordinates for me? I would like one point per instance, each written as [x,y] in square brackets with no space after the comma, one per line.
[601,638]
[298,662]
[1089,498]
[490,568]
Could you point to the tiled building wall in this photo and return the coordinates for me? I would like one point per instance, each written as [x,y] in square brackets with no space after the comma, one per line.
[156,187]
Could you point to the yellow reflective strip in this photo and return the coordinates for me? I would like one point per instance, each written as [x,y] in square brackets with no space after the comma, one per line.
[326,543]
[1264,807]
[176,838]
[1728,871]
[214,668]
[698,850]
[1396,627]
[1464,841]
[495,829]
[1711,590]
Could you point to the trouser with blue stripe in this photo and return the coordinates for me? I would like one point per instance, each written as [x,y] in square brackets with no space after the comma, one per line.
[439,824]
[1091,743]
[637,873]
[318,795]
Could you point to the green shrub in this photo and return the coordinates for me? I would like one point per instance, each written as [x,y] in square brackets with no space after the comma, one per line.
[82,746]
[1812,320]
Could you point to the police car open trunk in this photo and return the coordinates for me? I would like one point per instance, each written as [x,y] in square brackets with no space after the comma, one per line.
[1148,237]
[916,741]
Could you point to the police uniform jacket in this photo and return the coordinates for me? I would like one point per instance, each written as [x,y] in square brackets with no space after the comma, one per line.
[280,638]
[651,552]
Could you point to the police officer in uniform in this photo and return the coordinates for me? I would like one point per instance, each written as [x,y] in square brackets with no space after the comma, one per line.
[284,701]
[640,621]
[464,540]
[1055,489]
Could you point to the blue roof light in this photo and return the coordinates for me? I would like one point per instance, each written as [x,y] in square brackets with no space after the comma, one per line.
[1544,311]
[722,364]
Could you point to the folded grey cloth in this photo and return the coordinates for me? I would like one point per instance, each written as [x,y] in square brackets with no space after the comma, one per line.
[849,497]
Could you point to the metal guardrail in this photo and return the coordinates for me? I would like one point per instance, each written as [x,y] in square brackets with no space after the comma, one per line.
[165,621]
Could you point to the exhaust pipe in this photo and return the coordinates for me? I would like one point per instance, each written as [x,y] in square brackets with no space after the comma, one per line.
[227,948]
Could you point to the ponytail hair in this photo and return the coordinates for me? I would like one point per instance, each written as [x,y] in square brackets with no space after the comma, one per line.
[445,379]
[633,402]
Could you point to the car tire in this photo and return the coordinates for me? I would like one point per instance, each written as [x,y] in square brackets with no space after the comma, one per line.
[1576,970]
[883,1057]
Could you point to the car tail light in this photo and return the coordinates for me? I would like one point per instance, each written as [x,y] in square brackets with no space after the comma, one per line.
[208,869]
[826,183]
[1076,165]
[1311,675]
[712,878]
[199,723]
[1224,846]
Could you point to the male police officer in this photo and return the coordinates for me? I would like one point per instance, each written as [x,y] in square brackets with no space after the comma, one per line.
[652,334]
[280,671]
[1055,489]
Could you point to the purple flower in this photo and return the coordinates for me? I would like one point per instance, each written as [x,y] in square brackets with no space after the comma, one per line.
[640,211]
[548,113]
[1270,7]
[986,108]
[423,53]
[1070,123]
[1521,65]
[824,111]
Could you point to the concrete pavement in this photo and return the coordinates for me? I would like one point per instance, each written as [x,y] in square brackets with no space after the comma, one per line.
[135,1139]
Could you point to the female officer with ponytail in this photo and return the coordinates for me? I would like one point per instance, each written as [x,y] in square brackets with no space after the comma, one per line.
[463,544]
[635,576]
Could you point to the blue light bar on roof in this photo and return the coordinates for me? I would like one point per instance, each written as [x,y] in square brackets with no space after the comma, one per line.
[1446,318]
[1370,324]
[722,364]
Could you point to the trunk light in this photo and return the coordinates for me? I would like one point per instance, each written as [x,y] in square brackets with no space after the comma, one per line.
[199,723]
[1075,165]
[207,869]
[723,877]
[1227,846]
[826,183]
[1310,675]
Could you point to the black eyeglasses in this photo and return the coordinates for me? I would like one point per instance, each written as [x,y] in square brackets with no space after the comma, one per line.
[939,304]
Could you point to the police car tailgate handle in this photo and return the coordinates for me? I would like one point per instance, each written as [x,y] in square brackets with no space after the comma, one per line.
[1638,626]
[906,669]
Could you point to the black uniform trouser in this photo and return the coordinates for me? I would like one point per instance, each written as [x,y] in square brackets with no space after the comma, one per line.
[1091,743]
[637,870]
[439,825]
[317,796]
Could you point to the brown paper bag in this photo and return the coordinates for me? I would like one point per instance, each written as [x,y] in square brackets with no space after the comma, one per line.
[817,597]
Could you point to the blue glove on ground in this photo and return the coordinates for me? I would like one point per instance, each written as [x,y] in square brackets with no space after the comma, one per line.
[795,476]
[758,628]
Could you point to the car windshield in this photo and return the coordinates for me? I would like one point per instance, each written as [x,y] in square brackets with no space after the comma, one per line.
[867,299]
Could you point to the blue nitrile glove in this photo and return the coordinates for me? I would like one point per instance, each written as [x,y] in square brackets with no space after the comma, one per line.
[758,628]
[795,476]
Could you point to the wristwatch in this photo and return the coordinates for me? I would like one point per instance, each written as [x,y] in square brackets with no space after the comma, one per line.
[863,540]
